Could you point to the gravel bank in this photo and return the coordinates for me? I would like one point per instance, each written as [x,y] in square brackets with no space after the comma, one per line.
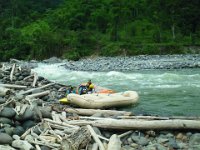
[135,63]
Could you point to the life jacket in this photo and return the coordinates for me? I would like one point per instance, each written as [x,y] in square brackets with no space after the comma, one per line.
[82,89]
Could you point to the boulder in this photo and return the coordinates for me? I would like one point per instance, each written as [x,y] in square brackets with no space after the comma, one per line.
[4,120]
[5,147]
[5,138]
[7,112]
[18,130]
[28,114]
[22,145]
[2,100]
[28,124]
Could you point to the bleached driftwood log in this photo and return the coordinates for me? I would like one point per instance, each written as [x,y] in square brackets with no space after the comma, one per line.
[140,124]
[35,79]
[36,95]
[143,117]
[96,138]
[28,77]
[12,72]
[77,140]
[36,89]
[61,123]
[13,86]
[125,134]
[95,146]
[89,112]
[4,91]
[158,118]
[114,143]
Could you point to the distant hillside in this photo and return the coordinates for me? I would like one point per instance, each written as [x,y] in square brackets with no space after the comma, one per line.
[39,29]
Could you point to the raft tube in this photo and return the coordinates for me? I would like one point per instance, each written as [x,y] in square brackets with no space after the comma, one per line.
[98,101]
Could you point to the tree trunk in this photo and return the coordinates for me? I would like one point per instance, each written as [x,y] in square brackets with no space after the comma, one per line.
[173,32]
[140,124]
[90,112]
[76,140]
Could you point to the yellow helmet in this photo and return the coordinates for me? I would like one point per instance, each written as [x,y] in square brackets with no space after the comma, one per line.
[91,86]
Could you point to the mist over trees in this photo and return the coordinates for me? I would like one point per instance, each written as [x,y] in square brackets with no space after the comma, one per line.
[39,29]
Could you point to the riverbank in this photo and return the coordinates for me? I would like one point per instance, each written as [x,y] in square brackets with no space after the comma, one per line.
[135,63]
[25,106]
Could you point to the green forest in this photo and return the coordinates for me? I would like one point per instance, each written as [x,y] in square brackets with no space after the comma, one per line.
[72,29]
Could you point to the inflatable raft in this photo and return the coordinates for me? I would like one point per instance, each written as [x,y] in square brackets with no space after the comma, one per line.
[103,100]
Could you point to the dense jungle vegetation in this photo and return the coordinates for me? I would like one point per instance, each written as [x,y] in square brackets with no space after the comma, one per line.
[39,29]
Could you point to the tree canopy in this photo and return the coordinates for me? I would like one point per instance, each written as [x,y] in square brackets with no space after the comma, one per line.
[39,29]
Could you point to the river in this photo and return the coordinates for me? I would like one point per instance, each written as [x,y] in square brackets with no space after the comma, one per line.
[162,92]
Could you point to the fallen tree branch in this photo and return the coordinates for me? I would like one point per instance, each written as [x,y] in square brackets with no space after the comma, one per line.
[114,143]
[36,89]
[36,95]
[89,112]
[35,79]
[12,72]
[140,124]
[13,86]
[96,138]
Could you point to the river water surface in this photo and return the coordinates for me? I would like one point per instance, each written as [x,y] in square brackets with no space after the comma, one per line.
[162,92]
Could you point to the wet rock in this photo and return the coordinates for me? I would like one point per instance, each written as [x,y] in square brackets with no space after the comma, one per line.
[172,143]
[155,146]
[45,148]
[19,97]
[5,138]
[140,140]
[18,130]
[194,139]
[28,124]
[182,145]
[23,145]
[16,137]
[2,100]
[4,147]
[28,114]
[4,120]
[127,147]
[9,130]
[7,112]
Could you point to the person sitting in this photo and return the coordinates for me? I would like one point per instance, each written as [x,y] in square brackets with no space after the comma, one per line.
[70,90]
[90,86]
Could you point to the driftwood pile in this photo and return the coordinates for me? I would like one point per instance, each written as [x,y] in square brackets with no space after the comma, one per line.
[30,118]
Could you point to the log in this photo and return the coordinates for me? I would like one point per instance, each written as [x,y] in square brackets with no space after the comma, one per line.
[12,72]
[15,60]
[96,138]
[23,109]
[4,91]
[95,146]
[26,78]
[35,79]
[37,95]
[61,123]
[158,118]
[90,112]
[36,89]
[77,140]
[13,86]
[140,124]
[125,134]
[114,143]
[37,147]
[143,117]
